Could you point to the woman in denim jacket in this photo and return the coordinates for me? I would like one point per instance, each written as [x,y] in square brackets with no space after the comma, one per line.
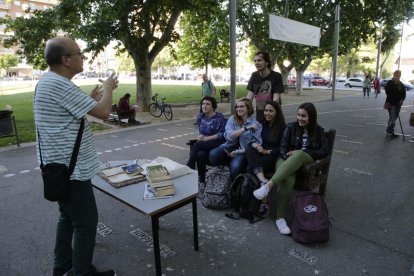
[303,142]
[241,130]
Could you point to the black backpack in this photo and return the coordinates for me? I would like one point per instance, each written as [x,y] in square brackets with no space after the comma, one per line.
[242,199]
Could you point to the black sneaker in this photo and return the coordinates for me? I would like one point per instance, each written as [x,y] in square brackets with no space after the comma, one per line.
[110,272]
[395,135]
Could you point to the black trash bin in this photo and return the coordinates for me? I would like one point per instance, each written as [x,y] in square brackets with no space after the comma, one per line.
[8,125]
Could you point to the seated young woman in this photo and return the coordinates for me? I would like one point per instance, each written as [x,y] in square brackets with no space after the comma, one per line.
[124,109]
[241,130]
[303,142]
[211,128]
[262,157]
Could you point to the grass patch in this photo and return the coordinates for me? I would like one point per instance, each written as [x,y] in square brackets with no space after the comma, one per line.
[97,127]
[22,105]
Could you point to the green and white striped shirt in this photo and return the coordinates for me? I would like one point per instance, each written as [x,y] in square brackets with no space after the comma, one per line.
[59,106]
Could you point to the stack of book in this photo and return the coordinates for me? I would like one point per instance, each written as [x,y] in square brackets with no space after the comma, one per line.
[160,180]
[122,175]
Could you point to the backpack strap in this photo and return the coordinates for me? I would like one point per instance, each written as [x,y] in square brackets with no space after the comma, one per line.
[232,216]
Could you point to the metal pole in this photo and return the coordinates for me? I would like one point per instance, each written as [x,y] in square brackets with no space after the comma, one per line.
[402,131]
[286,8]
[401,40]
[335,50]
[378,70]
[233,6]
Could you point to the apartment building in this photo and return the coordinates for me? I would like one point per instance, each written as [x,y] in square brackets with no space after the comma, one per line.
[16,8]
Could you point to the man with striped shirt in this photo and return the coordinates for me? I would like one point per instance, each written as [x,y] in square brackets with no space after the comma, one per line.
[59,106]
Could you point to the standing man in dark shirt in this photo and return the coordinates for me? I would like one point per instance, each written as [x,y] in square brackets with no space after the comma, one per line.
[264,84]
[396,93]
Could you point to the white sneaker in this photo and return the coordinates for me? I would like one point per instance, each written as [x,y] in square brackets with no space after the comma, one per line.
[264,182]
[282,226]
[262,192]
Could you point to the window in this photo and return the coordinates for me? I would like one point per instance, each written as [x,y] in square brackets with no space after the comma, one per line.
[32,6]
[25,6]
[3,14]
[18,14]
[17,3]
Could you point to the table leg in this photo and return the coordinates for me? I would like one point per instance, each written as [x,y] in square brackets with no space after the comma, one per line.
[195,224]
[156,244]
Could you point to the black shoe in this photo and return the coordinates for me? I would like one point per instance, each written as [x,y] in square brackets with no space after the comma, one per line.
[110,272]
[395,135]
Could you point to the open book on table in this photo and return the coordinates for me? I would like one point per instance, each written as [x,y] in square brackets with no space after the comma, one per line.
[122,175]
[174,169]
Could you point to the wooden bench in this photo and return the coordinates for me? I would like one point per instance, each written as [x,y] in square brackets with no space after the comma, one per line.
[224,94]
[289,88]
[115,117]
[311,176]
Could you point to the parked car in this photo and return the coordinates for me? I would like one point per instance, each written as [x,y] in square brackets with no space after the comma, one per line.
[292,81]
[354,82]
[319,81]
[80,76]
[407,85]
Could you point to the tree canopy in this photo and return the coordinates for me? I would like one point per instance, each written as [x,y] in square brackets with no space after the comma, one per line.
[205,39]
[7,61]
[142,28]
[356,26]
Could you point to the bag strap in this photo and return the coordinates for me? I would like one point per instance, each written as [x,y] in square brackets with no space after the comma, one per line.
[75,151]
[76,147]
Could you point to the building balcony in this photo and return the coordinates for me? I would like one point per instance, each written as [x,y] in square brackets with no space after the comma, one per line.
[4,6]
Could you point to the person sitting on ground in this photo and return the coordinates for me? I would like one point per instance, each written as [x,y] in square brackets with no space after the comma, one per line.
[303,142]
[211,127]
[241,130]
[124,109]
[262,157]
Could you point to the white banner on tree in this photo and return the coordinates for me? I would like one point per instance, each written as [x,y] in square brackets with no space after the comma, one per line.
[284,29]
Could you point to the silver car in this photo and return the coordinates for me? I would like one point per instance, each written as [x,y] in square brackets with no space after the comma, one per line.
[354,82]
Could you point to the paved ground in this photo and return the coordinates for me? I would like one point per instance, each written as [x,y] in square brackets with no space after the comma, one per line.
[369,196]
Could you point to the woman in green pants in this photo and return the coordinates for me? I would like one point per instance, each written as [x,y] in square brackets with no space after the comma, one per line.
[303,142]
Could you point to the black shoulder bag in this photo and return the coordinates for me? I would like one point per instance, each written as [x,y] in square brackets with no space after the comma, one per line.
[56,176]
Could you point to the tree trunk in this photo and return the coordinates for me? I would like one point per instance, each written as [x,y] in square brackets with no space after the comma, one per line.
[284,71]
[143,80]
[300,68]
[299,81]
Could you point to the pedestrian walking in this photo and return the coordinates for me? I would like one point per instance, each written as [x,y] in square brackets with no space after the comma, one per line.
[207,87]
[59,109]
[366,88]
[377,87]
[396,93]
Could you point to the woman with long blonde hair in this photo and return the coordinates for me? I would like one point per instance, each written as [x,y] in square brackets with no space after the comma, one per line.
[241,130]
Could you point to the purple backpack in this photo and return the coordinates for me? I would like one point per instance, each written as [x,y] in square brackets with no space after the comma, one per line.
[310,222]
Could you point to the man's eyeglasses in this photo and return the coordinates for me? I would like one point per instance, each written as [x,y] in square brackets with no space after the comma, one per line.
[80,53]
[240,106]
